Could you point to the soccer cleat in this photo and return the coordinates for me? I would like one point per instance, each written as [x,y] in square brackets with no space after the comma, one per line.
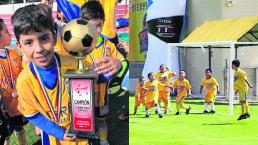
[147,116]
[160,116]
[188,110]
[205,112]
[177,113]
[245,116]
[212,112]
[241,117]
[156,112]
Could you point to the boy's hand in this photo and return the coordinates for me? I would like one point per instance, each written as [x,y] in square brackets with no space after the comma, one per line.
[108,64]
[49,3]
[250,86]
[67,138]
[218,92]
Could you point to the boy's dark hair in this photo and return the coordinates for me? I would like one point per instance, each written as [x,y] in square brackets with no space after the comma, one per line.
[92,10]
[208,69]
[236,62]
[181,70]
[141,78]
[32,18]
[149,74]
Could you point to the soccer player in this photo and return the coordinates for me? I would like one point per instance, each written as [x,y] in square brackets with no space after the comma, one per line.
[41,89]
[11,66]
[105,52]
[241,85]
[139,95]
[183,88]
[164,77]
[212,89]
[151,88]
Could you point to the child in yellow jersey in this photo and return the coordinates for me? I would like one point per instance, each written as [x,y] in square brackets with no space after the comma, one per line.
[139,95]
[183,88]
[10,67]
[241,85]
[151,88]
[41,89]
[212,89]
[105,52]
[164,77]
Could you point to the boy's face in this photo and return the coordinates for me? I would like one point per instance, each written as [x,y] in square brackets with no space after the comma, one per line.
[5,36]
[141,82]
[181,74]
[151,77]
[208,74]
[38,47]
[162,68]
[234,67]
[98,24]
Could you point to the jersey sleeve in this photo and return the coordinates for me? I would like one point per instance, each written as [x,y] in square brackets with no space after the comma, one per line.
[174,85]
[203,81]
[171,74]
[137,91]
[216,83]
[27,98]
[188,86]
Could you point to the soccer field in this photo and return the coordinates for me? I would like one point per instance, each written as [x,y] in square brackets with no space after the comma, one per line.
[195,128]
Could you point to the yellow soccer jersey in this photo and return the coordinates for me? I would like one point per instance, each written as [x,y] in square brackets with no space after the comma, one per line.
[239,81]
[32,101]
[182,87]
[164,78]
[153,92]
[210,85]
[140,91]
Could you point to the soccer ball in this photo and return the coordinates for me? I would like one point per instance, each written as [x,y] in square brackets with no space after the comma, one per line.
[78,37]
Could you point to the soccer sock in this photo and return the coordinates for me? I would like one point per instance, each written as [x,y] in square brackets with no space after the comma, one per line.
[177,106]
[158,109]
[243,108]
[147,112]
[212,106]
[135,110]
[184,106]
[246,108]
[206,106]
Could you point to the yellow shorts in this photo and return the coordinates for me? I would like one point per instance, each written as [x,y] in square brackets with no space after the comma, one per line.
[163,95]
[149,105]
[242,96]
[209,98]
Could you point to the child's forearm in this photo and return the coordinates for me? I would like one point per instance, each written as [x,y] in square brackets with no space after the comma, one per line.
[201,89]
[248,83]
[47,126]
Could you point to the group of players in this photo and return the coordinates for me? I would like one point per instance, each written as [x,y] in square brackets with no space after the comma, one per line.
[33,87]
[159,87]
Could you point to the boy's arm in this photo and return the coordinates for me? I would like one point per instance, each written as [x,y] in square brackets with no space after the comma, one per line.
[49,127]
[201,89]
[250,86]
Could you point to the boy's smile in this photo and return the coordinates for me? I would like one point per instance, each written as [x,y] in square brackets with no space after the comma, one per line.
[38,47]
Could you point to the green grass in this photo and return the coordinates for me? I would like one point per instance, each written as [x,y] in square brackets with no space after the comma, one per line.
[195,128]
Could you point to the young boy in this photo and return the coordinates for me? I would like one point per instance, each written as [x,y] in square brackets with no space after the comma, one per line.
[139,95]
[105,51]
[151,88]
[164,77]
[183,90]
[212,89]
[241,85]
[41,89]
[11,66]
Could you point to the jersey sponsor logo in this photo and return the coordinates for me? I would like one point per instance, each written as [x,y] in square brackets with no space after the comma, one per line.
[180,88]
